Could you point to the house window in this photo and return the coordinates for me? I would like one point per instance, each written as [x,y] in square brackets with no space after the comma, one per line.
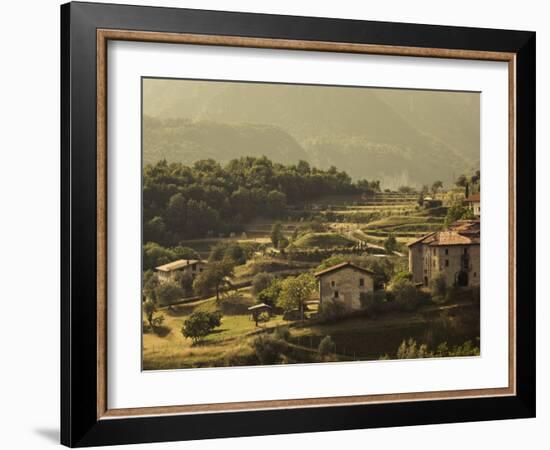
[446,251]
[361,282]
[465,250]
[446,263]
[336,294]
[475,274]
[332,283]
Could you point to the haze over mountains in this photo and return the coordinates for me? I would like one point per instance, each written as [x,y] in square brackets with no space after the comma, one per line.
[397,136]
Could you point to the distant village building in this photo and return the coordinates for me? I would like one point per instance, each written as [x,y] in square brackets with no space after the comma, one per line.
[453,253]
[168,272]
[345,283]
[474,203]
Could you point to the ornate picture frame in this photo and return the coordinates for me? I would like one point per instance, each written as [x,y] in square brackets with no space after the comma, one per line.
[86,418]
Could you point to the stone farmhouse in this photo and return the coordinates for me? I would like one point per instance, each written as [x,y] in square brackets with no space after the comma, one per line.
[474,203]
[453,252]
[169,272]
[345,283]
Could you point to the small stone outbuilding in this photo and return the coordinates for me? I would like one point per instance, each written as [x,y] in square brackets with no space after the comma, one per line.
[345,283]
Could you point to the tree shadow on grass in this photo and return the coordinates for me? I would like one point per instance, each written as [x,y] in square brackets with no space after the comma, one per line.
[180,310]
[162,331]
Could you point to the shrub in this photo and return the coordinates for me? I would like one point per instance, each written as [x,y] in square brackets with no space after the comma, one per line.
[326,346]
[406,295]
[269,349]
[330,310]
[439,286]
[410,349]
[372,302]
[283,333]
[403,275]
[261,281]
[168,292]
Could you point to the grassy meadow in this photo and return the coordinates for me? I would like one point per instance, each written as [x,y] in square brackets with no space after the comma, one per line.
[362,336]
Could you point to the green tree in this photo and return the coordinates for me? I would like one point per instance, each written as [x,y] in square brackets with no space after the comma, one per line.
[150,284]
[228,251]
[185,281]
[176,213]
[456,212]
[405,189]
[276,234]
[213,277]
[149,308]
[155,255]
[270,294]
[168,292]
[261,281]
[390,244]
[295,291]
[185,252]
[276,203]
[462,181]
[199,325]
[436,186]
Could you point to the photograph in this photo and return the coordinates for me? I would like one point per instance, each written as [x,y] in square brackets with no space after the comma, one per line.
[299,224]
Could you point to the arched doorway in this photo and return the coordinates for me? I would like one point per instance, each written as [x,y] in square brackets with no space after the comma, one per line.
[462,279]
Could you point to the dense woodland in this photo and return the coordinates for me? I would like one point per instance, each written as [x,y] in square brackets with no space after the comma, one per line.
[207,199]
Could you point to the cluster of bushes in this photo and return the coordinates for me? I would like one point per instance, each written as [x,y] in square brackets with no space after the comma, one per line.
[442,293]
[410,349]
[275,348]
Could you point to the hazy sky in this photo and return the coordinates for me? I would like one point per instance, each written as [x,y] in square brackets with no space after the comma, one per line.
[328,125]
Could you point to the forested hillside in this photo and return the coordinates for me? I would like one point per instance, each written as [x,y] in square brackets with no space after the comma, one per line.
[398,136]
[184,202]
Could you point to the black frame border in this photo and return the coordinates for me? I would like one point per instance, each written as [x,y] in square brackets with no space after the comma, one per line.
[79,424]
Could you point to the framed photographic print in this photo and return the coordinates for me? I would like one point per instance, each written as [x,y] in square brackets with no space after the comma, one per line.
[276,224]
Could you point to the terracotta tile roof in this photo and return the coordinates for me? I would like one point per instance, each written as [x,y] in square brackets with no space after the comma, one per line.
[342,266]
[474,198]
[461,232]
[175,265]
